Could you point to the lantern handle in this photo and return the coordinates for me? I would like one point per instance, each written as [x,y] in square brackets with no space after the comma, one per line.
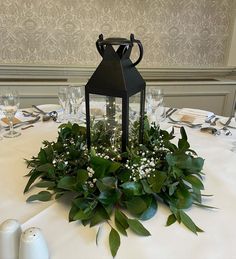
[132,39]
[100,47]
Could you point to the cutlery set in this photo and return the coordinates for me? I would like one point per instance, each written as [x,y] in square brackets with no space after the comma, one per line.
[46,116]
[211,120]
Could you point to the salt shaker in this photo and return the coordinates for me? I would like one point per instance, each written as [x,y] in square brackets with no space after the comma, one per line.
[33,245]
[10,232]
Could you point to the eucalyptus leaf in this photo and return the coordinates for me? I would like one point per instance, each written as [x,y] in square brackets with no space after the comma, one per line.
[45,184]
[41,196]
[187,221]
[183,198]
[171,220]
[138,228]
[132,188]
[121,218]
[151,208]
[136,205]
[33,177]
[194,181]
[120,228]
[114,241]
[67,183]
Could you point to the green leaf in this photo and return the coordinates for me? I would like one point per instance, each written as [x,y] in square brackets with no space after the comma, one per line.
[41,196]
[67,183]
[171,219]
[121,218]
[120,228]
[109,197]
[114,241]
[45,167]
[136,205]
[82,215]
[82,176]
[132,188]
[183,133]
[183,198]
[157,180]
[194,181]
[45,184]
[106,184]
[146,186]
[197,164]
[72,212]
[151,209]
[97,235]
[33,177]
[187,221]
[204,206]
[137,227]
[42,156]
[99,216]
[183,145]
[103,167]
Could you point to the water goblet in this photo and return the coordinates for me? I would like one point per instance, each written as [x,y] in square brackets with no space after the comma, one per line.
[64,102]
[155,105]
[11,102]
[76,98]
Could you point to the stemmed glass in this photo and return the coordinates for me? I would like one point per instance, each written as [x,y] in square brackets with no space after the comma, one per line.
[10,105]
[63,101]
[76,98]
[155,105]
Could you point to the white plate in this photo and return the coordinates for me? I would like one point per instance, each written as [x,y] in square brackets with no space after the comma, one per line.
[232,123]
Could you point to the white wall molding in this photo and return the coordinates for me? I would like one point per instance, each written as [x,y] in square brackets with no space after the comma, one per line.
[207,88]
[83,73]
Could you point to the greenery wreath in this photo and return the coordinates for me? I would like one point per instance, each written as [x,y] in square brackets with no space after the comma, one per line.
[105,182]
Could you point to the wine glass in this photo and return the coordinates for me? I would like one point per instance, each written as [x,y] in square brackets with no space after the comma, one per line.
[76,98]
[64,102]
[155,105]
[10,105]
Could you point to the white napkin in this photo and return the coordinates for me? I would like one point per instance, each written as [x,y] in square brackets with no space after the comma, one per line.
[194,112]
[198,115]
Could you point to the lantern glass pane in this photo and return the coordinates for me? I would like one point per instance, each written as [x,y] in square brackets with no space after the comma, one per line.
[106,117]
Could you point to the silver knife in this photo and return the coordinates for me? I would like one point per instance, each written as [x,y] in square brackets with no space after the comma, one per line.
[228,121]
[171,112]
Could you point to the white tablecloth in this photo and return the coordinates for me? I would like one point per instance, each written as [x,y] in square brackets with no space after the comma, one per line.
[73,241]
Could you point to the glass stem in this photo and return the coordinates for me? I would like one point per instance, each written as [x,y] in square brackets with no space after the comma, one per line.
[11,127]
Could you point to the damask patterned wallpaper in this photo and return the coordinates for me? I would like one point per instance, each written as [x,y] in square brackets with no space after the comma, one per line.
[63,32]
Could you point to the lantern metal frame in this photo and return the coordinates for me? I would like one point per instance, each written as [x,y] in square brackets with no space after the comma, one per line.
[117,76]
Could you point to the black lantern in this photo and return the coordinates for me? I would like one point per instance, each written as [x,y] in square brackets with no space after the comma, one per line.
[117,76]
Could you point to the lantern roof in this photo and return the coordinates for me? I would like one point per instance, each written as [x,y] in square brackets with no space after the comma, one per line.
[116,75]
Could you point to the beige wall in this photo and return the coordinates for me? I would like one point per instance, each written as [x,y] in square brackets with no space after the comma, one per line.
[232,52]
[190,33]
